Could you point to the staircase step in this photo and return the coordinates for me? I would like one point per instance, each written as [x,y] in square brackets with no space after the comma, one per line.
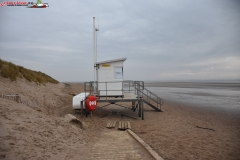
[152,106]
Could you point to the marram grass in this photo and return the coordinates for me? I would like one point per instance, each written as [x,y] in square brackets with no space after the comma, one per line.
[12,71]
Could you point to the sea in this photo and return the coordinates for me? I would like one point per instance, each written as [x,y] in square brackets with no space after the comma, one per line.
[214,95]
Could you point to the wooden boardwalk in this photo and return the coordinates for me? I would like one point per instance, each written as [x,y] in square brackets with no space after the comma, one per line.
[118,145]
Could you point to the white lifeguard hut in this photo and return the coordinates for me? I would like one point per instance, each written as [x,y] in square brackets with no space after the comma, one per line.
[109,87]
[110,77]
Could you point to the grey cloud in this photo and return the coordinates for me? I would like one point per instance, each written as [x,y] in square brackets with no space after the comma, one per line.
[161,39]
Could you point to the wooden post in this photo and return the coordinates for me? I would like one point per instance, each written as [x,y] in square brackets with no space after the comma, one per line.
[142,109]
[81,103]
[17,98]
[91,114]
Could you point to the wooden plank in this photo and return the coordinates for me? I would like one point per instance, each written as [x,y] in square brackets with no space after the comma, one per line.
[122,125]
[129,125]
[126,125]
[114,124]
[145,145]
[111,124]
[119,125]
[108,124]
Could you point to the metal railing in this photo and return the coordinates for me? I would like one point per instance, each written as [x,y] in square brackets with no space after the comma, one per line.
[149,97]
[106,89]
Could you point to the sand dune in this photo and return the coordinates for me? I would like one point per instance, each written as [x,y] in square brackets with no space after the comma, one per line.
[37,132]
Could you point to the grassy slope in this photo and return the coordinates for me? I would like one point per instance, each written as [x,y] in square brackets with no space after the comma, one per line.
[12,71]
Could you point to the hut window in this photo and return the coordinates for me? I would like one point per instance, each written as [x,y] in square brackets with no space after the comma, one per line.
[118,72]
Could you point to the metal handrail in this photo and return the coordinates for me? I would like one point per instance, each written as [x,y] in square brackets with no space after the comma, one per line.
[127,86]
[150,96]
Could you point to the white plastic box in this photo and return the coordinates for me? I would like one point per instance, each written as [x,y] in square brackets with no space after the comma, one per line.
[77,100]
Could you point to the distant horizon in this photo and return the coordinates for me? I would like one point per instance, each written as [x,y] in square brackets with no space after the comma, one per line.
[229,80]
[176,81]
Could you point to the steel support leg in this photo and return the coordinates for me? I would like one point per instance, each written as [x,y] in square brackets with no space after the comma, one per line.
[142,108]
[133,105]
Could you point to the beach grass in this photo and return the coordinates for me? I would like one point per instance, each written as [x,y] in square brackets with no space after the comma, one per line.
[12,71]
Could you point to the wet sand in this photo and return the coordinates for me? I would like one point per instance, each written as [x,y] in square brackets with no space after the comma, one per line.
[215,85]
[42,133]
[223,97]
[175,135]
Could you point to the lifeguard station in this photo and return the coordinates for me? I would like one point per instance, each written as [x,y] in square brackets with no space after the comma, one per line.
[109,86]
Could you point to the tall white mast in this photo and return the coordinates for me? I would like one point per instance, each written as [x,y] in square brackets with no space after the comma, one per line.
[94,62]
[94,50]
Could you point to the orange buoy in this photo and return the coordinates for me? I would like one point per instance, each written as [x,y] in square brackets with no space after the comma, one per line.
[91,103]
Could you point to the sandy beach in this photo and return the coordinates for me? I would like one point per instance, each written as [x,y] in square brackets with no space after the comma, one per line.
[41,131]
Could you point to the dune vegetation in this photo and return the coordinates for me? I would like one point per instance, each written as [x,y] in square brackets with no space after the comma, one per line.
[12,71]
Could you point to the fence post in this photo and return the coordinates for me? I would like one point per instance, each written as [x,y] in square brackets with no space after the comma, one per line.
[17,98]
[81,109]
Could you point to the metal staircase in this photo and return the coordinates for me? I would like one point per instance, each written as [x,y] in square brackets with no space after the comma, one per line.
[148,97]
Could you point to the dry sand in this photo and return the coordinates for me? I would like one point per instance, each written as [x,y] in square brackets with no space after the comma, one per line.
[42,132]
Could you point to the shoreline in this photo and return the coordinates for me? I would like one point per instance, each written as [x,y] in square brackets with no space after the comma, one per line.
[224,98]
[198,85]
[213,109]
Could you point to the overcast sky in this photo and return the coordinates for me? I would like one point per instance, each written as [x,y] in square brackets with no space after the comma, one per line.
[161,39]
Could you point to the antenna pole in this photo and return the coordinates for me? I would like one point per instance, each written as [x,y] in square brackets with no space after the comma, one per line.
[94,52]
[94,48]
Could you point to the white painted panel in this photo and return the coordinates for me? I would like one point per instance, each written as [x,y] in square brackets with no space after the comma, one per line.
[110,89]
[105,75]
